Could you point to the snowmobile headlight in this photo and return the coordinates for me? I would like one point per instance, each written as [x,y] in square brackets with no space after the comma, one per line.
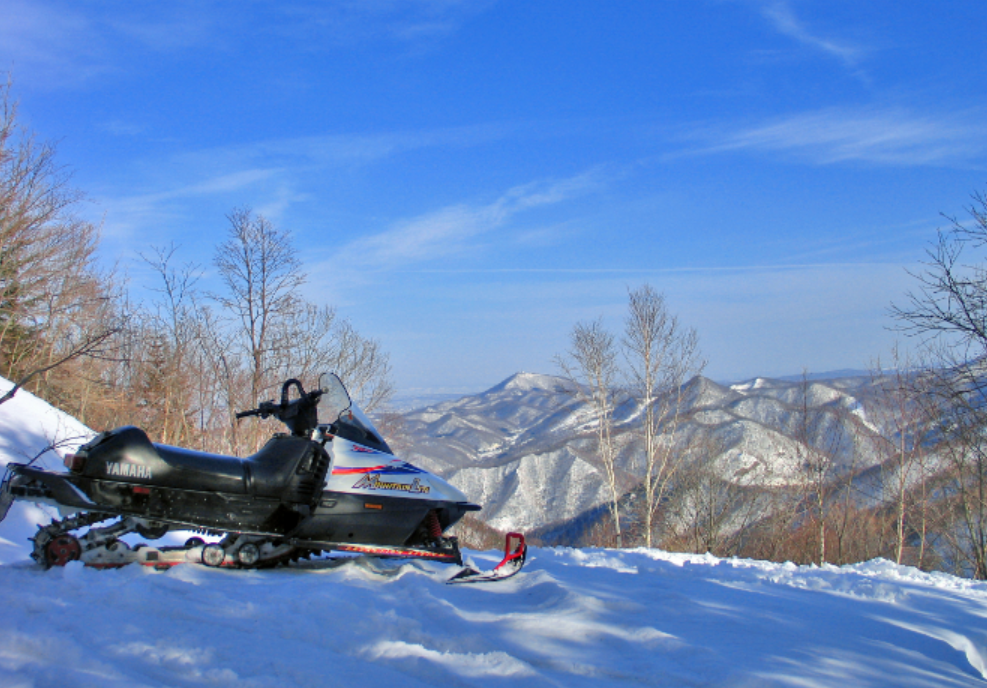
[248,554]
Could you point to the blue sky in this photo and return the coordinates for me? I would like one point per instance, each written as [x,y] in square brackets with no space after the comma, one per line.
[467,180]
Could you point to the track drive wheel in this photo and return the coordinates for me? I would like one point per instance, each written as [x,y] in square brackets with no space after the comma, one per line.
[152,530]
[62,550]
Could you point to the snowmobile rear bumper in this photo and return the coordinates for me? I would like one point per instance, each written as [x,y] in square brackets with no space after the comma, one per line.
[22,481]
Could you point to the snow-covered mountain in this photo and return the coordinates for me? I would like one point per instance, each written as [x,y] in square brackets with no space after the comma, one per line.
[572,617]
[525,448]
[522,449]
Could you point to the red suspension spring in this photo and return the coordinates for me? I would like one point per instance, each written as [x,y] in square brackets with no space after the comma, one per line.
[433,525]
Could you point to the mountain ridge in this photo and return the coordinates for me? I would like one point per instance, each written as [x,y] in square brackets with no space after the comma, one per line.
[525,448]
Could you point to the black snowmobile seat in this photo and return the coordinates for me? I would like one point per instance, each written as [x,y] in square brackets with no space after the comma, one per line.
[264,474]
[128,455]
[195,470]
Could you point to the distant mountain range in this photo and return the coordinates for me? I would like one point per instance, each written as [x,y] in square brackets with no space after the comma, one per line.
[525,449]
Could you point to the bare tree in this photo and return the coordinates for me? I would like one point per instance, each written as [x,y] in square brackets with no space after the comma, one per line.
[948,312]
[170,360]
[591,362]
[817,443]
[323,342]
[262,273]
[960,490]
[55,304]
[905,426]
[661,356]
[702,503]
[224,375]
[277,333]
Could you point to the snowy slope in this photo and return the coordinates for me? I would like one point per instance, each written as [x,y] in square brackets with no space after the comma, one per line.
[571,618]
[30,429]
[29,425]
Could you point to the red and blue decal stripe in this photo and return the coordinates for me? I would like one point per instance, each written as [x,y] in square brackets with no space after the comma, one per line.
[354,471]
[399,469]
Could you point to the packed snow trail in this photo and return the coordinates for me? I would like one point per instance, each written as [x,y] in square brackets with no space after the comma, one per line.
[572,618]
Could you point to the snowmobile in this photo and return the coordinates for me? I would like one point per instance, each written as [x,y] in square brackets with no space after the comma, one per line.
[319,488]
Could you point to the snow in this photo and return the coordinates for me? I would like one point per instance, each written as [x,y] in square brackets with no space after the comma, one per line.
[572,617]
[28,427]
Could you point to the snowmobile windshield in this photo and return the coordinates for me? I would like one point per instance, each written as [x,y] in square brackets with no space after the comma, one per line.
[335,398]
[353,425]
[350,422]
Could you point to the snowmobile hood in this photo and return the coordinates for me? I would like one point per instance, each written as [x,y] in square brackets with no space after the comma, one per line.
[361,469]
[363,463]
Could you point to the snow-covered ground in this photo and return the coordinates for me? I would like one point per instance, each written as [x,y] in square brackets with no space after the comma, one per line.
[571,618]
[32,431]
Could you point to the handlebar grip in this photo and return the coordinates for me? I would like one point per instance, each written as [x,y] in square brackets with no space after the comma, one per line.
[245,414]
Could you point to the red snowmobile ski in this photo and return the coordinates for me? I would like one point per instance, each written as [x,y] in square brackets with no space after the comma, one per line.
[515,553]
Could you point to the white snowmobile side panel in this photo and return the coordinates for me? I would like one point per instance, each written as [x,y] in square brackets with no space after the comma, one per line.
[358,469]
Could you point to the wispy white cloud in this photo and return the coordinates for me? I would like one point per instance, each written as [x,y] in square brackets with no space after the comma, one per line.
[59,43]
[452,230]
[227,182]
[65,44]
[49,45]
[346,149]
[277,171]
[782,17]
[438,238]
[416,23]
[122,128]
[886,136]
[139,214]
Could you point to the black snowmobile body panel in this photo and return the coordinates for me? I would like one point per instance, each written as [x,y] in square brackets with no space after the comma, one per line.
[220,511]
[190,508]
[44,485]
[127,455]
[290,469]
[124,473]
[353,518]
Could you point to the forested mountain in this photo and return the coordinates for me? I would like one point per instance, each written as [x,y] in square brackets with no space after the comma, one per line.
[765,466]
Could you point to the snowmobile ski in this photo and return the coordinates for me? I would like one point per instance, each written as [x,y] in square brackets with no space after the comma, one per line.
[515,553]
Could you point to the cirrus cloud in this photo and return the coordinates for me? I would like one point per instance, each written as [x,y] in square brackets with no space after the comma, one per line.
[894,136]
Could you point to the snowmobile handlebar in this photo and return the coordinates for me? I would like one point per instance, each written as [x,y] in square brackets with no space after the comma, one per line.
[300,414]
[266,408]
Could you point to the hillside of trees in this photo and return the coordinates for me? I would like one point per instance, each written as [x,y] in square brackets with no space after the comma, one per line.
[181,364]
